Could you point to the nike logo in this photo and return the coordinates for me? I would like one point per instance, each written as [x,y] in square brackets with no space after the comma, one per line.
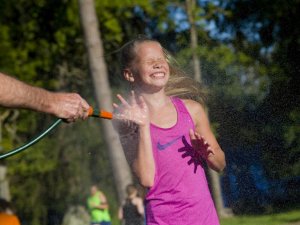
[164,146]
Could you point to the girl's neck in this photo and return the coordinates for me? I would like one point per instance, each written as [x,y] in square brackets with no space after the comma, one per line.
[156,100]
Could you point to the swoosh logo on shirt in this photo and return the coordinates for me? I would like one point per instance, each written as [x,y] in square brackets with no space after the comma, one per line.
[166,145]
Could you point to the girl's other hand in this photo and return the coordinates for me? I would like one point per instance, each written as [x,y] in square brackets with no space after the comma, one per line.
[200,145]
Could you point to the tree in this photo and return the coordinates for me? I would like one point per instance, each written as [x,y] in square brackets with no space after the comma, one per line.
[192,11]
[269,31]
[99,73]
[41,44]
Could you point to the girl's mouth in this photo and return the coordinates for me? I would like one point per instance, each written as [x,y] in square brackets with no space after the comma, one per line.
[158,75]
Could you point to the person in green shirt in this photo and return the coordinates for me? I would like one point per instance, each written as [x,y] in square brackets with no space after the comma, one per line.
[98,207]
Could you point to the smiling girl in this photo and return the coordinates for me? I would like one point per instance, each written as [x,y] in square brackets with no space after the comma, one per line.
[167,137]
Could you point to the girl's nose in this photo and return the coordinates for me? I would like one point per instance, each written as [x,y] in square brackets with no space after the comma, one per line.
[157,65]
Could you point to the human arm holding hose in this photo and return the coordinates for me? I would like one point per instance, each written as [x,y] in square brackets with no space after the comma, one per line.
[17,94]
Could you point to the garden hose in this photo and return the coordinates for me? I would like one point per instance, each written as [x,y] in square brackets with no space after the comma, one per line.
[92,113]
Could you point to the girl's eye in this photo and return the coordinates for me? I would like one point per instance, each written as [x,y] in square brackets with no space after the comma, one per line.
[151,62]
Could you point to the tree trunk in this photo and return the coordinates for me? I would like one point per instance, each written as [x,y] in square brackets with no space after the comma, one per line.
[4,184]
[99,74]
[216,190]
[190,8]
[213,176]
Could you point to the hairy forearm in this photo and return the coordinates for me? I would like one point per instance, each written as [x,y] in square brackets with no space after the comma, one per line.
[143,165]
[17,94]
[14,93]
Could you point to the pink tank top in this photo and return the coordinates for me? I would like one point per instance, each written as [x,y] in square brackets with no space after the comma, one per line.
[180,194]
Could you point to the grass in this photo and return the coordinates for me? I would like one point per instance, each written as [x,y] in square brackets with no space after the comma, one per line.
[283,218]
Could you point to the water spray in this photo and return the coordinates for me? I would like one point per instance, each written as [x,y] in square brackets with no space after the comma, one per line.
[91,113]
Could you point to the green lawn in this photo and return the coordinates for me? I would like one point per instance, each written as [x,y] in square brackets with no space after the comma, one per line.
[284,218]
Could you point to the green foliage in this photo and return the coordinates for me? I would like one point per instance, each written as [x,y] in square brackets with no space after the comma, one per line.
[41,44]
[268,32]
[292,142]
[27,173]
[233,74]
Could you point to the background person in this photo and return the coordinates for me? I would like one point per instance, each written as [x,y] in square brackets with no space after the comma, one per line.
[7,216]
[98,207]
[132,210]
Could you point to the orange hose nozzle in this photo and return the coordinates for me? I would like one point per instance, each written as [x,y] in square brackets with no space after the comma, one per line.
[106,115]
[90,111]
[101,113]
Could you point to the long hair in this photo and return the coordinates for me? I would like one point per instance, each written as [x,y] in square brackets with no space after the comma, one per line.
[179,84]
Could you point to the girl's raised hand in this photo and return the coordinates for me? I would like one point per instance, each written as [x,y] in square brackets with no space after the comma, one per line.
[135,110]
[200,145]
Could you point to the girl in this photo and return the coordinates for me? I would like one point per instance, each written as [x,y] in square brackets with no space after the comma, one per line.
[132,210]
[166,139]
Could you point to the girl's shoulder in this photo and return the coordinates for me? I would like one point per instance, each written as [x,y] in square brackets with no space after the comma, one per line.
[137,201]
[195,109]
[193,106]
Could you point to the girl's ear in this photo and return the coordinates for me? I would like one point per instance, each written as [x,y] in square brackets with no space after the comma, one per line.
[128,75]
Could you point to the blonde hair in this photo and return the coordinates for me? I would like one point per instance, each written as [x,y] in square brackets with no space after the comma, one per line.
[179,84]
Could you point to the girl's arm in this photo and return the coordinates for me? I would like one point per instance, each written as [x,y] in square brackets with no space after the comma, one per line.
[143,165]
[136,139]
[120,213]
[140,206]
[103,202]
[204,138]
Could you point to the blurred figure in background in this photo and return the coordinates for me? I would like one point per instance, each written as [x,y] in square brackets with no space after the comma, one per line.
[7,216]
[98,207]
[132,210]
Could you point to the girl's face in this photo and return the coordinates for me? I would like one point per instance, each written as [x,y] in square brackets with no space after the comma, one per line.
[150,70]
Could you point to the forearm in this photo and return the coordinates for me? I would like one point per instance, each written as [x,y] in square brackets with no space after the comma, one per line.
[143,165]
[17,94]
[120,213]
[140,208]
[14,93]
[216,160]
[103,206]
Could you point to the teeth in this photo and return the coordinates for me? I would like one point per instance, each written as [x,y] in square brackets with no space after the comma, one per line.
[158,75]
